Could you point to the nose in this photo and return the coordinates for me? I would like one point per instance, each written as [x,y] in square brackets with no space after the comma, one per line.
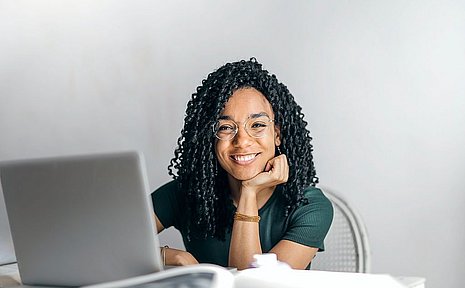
[242,138]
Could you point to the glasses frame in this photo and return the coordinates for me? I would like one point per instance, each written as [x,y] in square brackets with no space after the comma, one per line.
[245,127]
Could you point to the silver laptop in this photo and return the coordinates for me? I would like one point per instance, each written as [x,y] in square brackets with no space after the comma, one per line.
[80,220]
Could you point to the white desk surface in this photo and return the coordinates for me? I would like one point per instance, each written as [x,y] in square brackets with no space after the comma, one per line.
[9,277]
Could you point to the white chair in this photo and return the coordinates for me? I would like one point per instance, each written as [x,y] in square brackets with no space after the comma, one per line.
[346,245]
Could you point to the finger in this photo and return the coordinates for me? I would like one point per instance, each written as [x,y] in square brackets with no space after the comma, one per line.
[273,165]
[282,168]
[268,167]
[277,170]
[286,168]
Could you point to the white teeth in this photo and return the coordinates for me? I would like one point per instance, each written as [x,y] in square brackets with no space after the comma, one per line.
[244,158]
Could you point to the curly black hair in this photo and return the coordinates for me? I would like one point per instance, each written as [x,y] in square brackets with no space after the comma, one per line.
[198,171]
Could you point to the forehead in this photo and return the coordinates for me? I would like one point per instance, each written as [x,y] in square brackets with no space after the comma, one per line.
[245,102]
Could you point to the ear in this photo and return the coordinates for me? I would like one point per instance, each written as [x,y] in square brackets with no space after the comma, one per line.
[277,135]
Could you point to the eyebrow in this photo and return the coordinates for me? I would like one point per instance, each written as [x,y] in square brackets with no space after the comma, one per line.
[254,115]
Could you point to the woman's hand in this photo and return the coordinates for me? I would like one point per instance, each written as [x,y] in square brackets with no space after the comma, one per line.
[177,257]
[276,172]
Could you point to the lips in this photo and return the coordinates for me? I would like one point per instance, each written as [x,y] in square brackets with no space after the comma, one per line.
[244,158]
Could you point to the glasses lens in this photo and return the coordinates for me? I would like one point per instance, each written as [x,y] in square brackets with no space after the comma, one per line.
[257,127]
[225,129]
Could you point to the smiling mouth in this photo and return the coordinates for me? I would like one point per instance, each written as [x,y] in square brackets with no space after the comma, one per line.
[244,159]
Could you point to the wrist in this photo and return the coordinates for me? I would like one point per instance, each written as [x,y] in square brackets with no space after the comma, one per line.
[247,203]
[248,192]
[246,218]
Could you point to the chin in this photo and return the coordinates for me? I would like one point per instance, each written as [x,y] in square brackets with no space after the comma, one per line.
[245,176]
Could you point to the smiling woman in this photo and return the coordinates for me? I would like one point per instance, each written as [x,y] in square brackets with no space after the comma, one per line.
[244,179]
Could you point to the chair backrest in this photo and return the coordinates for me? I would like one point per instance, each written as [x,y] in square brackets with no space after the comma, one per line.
[346,245]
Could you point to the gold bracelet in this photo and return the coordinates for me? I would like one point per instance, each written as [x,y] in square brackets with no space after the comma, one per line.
[247,218]
[163,253]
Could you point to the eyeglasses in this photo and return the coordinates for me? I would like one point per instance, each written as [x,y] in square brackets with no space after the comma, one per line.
[256,126]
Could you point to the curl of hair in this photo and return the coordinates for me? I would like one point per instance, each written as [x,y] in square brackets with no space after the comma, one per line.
[195,165]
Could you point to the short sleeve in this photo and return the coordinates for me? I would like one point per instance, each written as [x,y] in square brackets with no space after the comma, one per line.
[309,223]
[166,202]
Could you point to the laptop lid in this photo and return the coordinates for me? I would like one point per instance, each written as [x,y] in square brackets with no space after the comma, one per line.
[80,220]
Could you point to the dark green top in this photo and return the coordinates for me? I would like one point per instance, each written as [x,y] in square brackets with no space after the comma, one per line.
[306,224]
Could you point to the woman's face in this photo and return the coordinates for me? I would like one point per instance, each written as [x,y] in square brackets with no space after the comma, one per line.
[243,157]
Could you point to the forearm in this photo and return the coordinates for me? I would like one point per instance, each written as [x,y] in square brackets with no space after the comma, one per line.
[245,236]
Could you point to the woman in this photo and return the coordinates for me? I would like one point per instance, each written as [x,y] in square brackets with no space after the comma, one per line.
[245,177]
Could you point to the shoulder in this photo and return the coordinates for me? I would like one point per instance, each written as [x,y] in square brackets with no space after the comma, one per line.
[168,204]
[318,208]
[168,192]
[169,187]
[316,195]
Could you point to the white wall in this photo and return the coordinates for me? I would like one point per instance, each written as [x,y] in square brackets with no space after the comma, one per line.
[381,83]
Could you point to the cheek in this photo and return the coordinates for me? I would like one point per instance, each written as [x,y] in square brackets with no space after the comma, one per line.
[270,145]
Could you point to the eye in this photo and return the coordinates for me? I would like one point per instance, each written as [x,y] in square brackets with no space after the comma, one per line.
[258,124]
[226,128]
